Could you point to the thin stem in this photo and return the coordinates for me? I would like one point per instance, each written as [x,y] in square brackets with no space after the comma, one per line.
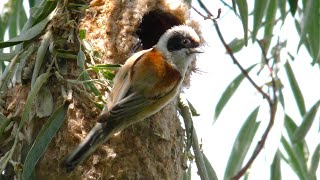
[187,117]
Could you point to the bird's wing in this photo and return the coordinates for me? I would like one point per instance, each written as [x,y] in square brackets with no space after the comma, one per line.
[148,78]
[122,81]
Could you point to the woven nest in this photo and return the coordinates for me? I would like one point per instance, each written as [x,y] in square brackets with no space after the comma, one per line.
[152,149]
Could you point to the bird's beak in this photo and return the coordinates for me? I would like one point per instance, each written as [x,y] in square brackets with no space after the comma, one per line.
[194,50]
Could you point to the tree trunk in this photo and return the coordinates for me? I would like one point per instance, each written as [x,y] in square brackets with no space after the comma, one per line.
[152,149]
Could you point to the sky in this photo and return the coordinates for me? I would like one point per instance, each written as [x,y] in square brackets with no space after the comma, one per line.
[217,71]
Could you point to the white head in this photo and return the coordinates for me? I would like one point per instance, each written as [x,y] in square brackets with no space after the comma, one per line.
[179,45]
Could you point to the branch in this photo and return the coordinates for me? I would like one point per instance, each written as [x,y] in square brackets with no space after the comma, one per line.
[271,102]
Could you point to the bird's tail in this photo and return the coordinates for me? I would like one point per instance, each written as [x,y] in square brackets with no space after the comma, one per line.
[95,137]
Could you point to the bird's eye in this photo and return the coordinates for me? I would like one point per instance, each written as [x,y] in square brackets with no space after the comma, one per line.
[186,41]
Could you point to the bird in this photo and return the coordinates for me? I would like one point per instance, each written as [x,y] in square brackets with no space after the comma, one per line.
[147,81]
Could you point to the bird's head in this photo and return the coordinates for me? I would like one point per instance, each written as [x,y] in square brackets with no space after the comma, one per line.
[179,45]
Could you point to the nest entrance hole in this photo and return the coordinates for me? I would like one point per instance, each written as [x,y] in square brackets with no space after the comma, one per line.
[153,25]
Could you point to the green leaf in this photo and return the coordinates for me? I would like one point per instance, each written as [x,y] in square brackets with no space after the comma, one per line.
[310,23]
[314,32]
[31,97]
[242,144]
[31,3]
[301,147]
[22,16]
[187,174]
[258,13]
[193,110]
[315,162]
[276,167]
[293,6]
[234,6]
[4,122]
[46,10]
[47,39]
[81,58]
[90,85]
[7,56]
[243,10]
[295,160]
[43,139]
[13,19]
[23,60]
[107,66]
[236,45]
[228,93]
[306,43]
[307,121]
[295,89]
[282,6]
[211,172]
[82,34]
[281,98]
[28,34]
[269,23]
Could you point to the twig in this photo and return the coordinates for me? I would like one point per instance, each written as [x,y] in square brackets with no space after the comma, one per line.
[271,102]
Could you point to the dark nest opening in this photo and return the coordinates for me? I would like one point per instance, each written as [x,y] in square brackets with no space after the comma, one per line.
[153,25]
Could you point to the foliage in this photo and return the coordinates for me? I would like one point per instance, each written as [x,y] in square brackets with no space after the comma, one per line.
[267,16]
[31,39]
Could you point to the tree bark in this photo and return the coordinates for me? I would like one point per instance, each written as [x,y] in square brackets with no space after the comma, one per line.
[151,149]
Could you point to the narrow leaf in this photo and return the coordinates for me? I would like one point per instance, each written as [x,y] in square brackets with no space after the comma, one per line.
[294,161]
[82,34]
[295,89]
[307,121]
[22,16]
[276,167]
[242,144]
[228,93]
[46,11]
[314,32]
[211,172]
[187,173]
[236,45]
[13,19]
[269,24]
[40,55]
[281,98]
[258,13]
[193,110]
[4,122]
[234,6]
[243,10]
[43,139]
[28,34]
[31,3]
[300,148]
[282,6]
[307,20]
[315,162]
[293,6]
[81,58]
[32,95]
[7,56]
